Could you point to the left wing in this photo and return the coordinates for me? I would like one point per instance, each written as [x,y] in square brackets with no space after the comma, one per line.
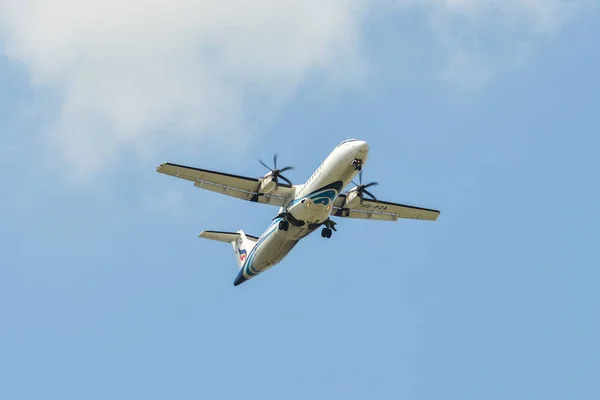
[381,210]
[242,187]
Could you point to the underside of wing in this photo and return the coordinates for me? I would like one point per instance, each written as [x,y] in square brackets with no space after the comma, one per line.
[241,187]
[381,210]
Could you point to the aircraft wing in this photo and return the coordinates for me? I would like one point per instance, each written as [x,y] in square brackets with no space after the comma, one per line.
[381,210]
[242,187]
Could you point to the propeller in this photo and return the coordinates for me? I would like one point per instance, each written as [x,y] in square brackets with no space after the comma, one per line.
[276,173]
[362,189]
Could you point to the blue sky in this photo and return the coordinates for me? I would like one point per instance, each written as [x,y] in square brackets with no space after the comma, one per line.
[106,291]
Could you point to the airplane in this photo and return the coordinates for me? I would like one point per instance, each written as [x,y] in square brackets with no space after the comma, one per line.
[302,208]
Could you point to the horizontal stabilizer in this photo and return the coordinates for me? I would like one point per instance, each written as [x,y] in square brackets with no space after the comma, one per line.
[242,243]
[226,237]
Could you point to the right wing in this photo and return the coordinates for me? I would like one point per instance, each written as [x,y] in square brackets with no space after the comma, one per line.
[241,187]
[381,210]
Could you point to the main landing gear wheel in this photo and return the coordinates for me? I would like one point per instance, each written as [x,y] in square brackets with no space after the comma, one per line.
[326,233]
[283,225]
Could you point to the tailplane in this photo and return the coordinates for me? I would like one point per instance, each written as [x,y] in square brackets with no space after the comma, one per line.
[242,243]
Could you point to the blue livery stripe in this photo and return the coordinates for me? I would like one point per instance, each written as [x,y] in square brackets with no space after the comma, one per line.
[248,269]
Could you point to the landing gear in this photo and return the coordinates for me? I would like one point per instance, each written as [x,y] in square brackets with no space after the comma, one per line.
[328,229]
[357,164]
[283,225]
[330,224]
[287,219]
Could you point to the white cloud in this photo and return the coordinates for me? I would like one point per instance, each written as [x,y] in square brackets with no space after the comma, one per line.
[540,15]
[129,71]
[171,201]
[480,38]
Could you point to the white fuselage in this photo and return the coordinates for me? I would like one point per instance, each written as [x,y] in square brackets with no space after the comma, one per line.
[308,207]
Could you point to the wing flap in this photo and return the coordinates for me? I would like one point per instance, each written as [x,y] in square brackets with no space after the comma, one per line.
[348,213]
[197,174]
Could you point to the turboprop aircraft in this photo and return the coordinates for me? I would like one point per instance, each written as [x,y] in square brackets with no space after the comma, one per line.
[302,208]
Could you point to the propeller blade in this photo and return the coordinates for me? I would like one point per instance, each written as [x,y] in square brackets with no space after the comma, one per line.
[285,179]
[276,173]
[370,184]
[369,194]
[265,165]
[360,177]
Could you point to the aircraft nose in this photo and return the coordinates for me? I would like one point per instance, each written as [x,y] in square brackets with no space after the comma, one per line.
[362,148]
[362,145]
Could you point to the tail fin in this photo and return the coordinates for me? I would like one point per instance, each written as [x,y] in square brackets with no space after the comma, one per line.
[242,243]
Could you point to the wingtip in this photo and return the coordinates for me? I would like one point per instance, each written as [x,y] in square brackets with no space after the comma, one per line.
[161,166]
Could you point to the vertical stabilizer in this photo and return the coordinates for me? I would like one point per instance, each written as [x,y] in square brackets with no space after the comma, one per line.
[242,246]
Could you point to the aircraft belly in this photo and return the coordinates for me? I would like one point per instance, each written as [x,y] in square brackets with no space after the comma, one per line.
[313,213]
[272,251]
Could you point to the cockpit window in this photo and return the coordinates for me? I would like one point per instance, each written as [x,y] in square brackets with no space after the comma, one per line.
[347,141]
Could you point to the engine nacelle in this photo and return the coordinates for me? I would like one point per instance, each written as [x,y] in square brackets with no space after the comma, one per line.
[352,198]
[267,184]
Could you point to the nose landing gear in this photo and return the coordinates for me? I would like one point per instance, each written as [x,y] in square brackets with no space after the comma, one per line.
[357,164]
[327,231]
[284,225]
[287,219]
